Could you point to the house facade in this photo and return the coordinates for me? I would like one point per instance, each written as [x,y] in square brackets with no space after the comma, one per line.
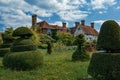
[48,28]
[88,31]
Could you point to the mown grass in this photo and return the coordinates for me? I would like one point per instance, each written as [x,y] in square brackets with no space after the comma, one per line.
[57,66]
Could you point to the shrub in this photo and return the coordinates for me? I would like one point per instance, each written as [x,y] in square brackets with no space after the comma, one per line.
[109,37]
[5,45]
[80,54]
[105,66]
[22,32]
[4,51]
[49,48]
[23,60]
[23,45]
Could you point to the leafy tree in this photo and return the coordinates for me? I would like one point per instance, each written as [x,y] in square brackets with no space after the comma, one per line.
[65,38]
[7,35]
[49,47]
[109,37]
[54,35]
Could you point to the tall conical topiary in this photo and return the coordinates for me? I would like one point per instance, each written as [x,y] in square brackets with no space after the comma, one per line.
[80,54]
[109,37]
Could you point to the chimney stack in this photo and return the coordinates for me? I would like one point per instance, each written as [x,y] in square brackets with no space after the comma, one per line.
[34,19]
[92,25]
[77,24]
[64,25]
[82,22]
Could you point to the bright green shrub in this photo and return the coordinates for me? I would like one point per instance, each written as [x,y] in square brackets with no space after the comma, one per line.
[80,54]
[4,51]
[22,32]
[23,45]
[105,66]
[109,37]
[23,60]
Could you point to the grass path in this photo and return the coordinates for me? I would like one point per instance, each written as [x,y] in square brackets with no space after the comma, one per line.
[57,66]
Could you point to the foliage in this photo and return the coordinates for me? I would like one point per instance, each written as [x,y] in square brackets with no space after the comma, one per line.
[36,38]
[7,36]
[22,32]
[23,60]
[54,35]
[4,51]
[44,38]
[105,66]
[80,54]
[5,45]
[49,48]
[20,45]
[109,37]
[59,47]
[65,38]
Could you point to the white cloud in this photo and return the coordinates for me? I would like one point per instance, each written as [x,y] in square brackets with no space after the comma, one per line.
[102,4]
[72,15]
[100,22]
[118,8]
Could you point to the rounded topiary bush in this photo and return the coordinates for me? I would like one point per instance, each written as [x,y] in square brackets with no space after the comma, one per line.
[105,66]
[23,60]
[23,45]
[109,37]
[22,32]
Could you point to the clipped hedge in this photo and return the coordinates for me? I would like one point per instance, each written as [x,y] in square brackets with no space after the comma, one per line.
[5,45]
[23,45]
[105,66]
[23,60]
[22,32]
[4,51]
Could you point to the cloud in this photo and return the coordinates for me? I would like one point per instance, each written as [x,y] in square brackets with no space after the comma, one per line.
[118,7]
[72,15]
[102,4]
[100,22]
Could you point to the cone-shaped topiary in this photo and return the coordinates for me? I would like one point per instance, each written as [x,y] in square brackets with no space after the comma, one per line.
[109,37]
[80,54]
[22,32]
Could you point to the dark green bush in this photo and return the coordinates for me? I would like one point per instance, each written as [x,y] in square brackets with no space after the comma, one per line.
[23,60]
[22,32]
[80,54]
[109,37]
[23,45]
[5,45]
[49,48]
[4,51]
[105,66]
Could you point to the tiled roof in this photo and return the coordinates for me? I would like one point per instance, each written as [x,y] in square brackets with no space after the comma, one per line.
[46,25]
[89,30]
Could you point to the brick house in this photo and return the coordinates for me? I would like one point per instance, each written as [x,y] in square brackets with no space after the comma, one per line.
[47,28]
[88,31]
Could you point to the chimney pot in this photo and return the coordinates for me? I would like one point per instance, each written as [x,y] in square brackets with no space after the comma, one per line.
[34,19]
[92,25]
[82,22]
[64,24]
[77,24]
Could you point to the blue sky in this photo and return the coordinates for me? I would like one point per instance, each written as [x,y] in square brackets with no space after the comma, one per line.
[16,13]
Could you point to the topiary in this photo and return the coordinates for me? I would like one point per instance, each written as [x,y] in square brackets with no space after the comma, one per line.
[4,51]
[80,54]
[21,45]
[22,32]
[49,48]
[105,66]
[23,60]
[109,37]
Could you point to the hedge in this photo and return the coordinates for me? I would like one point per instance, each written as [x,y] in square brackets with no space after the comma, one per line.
[105,66]
[4,51]
[27,60]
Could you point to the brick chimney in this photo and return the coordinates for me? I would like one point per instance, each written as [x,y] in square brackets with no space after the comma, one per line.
[34,19]
[82,22]
[77,24]
[92,25]
[64,25]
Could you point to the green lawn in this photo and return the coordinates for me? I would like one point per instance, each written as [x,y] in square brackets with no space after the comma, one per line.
[57,66]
